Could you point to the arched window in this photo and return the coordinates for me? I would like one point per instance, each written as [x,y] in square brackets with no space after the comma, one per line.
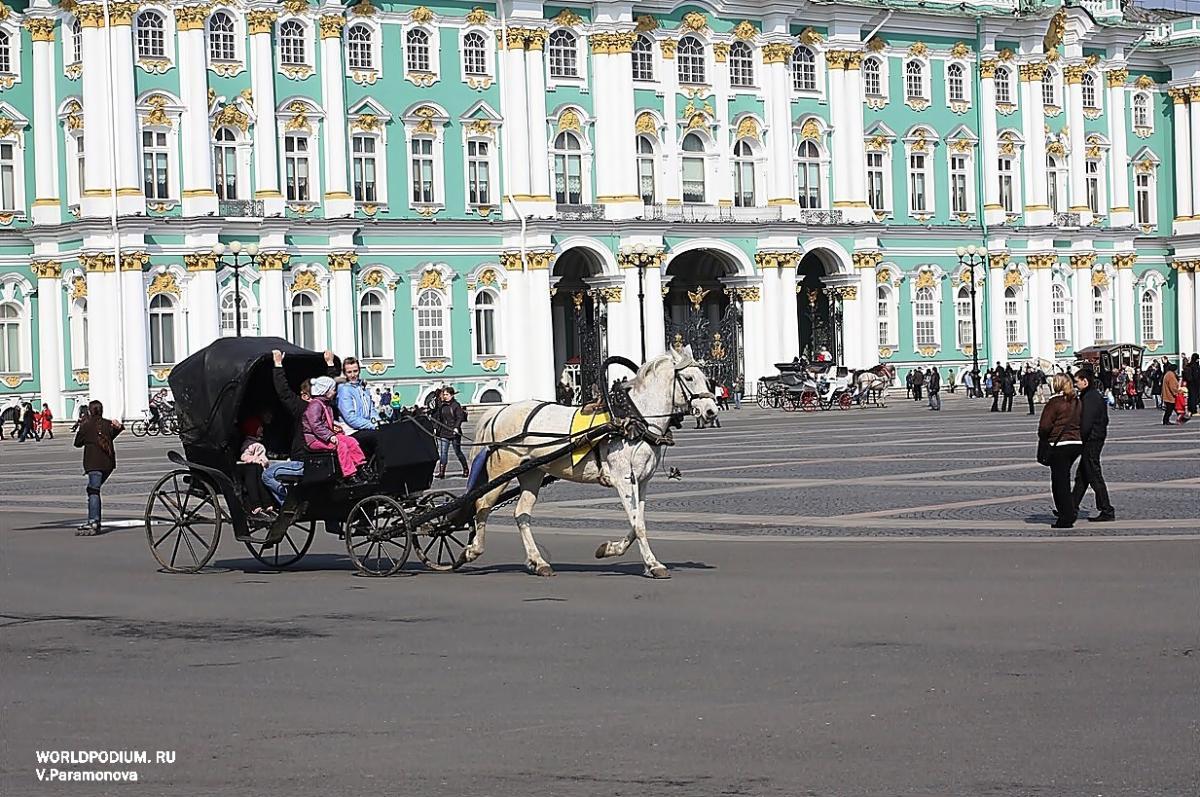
[690,57]
[156,157]
[1088,90]
[743,175]
[9,155]
[741,65]
[925,317]
[360,50]
[490,396]
[416,50]
[647,169]
[962,315]
[1012,318]
[1058,313]
[485,324]
[1050,88]
[568,169]
[956,85]
[79,335]
[804,69]
[563,51]
[431,317]
[370,326]
[304,321]
[1141,110]
[1099,314]
[808,175]
[225,158]
[162,330]
[474,53]
[883,298]
[292,44]
[1149,315]
[296,159]
[643,58]
[914,80]
[1056,184]
[5,52]
[693,169]
[76,41]
[10,339]
[229,325]
[151,35]
[872,73]
[1003,81]
[221,41]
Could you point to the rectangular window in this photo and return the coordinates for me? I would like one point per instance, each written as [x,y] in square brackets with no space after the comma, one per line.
[365,186]
[916,181]
[1005,170]
[154,165]
[479,174]
[296,166]
[925,333]
[422,171]
[8,177]
[875,195]
[693,180]
[646,179]
[79,172]
[1092,178]
[1144,201]
[162,338]
[958,184]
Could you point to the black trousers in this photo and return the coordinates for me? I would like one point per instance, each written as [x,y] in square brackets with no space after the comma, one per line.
[1007,403]
[1168,411]
[367,441]
[916,392]
[995,402]
[1030,397]
[256,493]
[1061,459]
[1089,474]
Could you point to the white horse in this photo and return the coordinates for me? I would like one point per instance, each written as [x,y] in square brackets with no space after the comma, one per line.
[671,384]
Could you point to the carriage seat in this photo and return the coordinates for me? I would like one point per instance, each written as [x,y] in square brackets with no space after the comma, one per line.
[320,467]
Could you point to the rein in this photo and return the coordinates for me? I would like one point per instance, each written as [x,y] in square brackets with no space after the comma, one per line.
[634,423]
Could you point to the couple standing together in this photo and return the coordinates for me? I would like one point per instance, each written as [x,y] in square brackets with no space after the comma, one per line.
[1074,425]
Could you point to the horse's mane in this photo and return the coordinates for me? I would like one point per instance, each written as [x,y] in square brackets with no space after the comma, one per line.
[650,365]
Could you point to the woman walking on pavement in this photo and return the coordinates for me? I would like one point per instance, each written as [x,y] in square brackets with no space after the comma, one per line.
[95,437]
[1059,444]
[449,417]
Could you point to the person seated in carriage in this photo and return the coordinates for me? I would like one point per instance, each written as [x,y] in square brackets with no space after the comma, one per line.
[251,464]
[322,434]
[294,407]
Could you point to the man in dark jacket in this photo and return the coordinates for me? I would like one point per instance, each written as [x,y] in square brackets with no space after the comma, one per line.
[1008,387]
[1030,381]
[1191,378]
[935,389]
[95,437]
[1093,428]
[448,419]
[295,405]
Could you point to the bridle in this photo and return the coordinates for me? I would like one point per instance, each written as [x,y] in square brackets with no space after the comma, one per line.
[637,425]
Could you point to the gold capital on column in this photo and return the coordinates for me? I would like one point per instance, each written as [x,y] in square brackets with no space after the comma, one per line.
[987,69]
[1083,260]
[122,13]
[260,21]
[101,262]
[134,261]
[40,29]
[1124,260]
[273,261]
[776,52]
[331,26]
[342,261]
[200,261]
[190,17]
[91,15]
[1117,77]
[46,269]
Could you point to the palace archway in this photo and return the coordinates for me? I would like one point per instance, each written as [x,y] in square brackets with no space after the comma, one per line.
[700,312]
[580,319]
[819,308]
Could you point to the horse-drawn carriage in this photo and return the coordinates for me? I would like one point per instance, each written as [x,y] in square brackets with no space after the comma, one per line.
[807,388]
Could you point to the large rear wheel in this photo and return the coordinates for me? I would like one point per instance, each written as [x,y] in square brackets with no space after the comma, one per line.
[378,537]
[183,521]
[441,547]
[289,550]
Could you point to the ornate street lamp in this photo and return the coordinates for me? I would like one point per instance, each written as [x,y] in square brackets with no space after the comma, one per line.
[972,256]
[235,261]
[641,258]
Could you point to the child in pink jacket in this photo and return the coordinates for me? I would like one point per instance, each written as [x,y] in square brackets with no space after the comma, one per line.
[320,433]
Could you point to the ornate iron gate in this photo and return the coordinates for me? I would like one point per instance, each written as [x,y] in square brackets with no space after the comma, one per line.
[821,317]
[591,337]
[717,348]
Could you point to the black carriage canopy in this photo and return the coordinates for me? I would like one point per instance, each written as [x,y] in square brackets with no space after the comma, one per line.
[226,382]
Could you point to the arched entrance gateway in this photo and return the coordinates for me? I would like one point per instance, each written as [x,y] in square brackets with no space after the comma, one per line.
[702,311]
[819,307]
[580,317]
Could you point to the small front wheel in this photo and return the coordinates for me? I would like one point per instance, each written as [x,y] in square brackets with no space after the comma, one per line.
[439,546]
[378,537]
[289,550]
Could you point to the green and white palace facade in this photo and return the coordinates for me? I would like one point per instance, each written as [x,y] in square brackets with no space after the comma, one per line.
[490,195]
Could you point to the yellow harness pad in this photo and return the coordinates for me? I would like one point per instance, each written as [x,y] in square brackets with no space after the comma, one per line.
[580,423]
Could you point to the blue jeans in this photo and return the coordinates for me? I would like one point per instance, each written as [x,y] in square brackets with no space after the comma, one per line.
[444,444]
[271,477]
[96,479]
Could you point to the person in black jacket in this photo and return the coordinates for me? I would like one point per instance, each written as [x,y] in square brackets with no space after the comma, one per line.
[1191,378]
[294,407]
[448,419]
[1008,387]
[934,384]
[1093,428]
[1031,380]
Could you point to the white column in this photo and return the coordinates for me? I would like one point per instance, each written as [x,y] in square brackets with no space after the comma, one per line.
[516,326]
[855,146]
[1186,306]
[1076,158]
[131,198]
[993,211]
[1183,156]
[843,177]
[541,376]
[515,133]
[1118,155]
[1081,293]
[50,338]
[720,82]
[338,201]
[772,288]
[997,344]
[1126,301]
[99,168]
[789,321]
[271,308]
[616,161]
[656,328]
[1194,124]
[203,311]
[1195,306]
[670,139]
[199,199]
[1041,335]
[262,82]
[137,339]
[342,303]
[777,114]
[868,329]
[1033,118]
[539,151]
[104,323]
[754,337]
[46,203]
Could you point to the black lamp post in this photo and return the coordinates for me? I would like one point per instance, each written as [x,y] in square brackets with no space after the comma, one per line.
[972,257]
[641,258]
[237,252]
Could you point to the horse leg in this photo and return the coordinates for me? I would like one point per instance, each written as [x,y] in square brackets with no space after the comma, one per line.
[483,508]
[632,498]
[653,567]
[619,547]
[531,482]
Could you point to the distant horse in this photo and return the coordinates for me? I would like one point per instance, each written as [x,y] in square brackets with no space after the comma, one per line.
[875,380]
[667,387]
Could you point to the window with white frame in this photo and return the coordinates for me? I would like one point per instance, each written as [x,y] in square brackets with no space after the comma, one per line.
[416,50]
[474,53]
[1091,181]
[363,153]
[563,54]
[694,166]
[914,80]
[918,183]
[643,58]
[1012,317]
[6,60]
[1050,88]
[76,52]
[431,322]
[960,180]
[370,326]
[741,65]
[1141,110]
[9,177]
[1056,183]
[222,41]
[925,317]
[229,325]
[225,163]
[151,35]
[297,163]
[689,57]
[1087,85]
[293,44]
[1150,329]
[1144,204]
[485,324]
[956,83]
[1060,321]
[883,299]
[304,321]
[12,321]
[1003,81]
[808,175]
[804,69]
[872,75]
[568,169]
[1099,315]
[75,175]
[162,330]
[1005,174]
[360,47]
[743,175]
[156,159]
[421,167]
[877,196]
[479,172]
[79,334]
[962,316]
[647,169]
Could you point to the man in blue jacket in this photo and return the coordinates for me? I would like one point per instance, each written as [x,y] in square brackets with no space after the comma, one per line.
[356,407]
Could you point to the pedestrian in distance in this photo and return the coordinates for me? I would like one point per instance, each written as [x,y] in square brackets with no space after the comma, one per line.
[918,383]
[908,384]
[47,422]
[1191,379]
[935,390]
[448,419]
[1093,429]
[95,436]
[1059,445]
[1170,390]
[1030,381]
[29,424]
[993,387]
[1008,388]
[1181,405]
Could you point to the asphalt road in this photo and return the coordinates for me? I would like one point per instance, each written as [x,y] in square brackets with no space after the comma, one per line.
[800,651]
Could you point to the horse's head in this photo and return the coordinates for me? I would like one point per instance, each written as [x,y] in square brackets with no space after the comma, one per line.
[689,391]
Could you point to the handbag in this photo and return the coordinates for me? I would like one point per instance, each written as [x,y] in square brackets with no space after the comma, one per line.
[1045,447]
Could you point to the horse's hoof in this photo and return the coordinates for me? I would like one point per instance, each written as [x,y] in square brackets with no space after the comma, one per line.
[658,572]
[469,555]
[602,551]
[545,571]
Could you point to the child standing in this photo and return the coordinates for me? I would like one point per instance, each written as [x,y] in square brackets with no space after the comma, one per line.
[1181,398]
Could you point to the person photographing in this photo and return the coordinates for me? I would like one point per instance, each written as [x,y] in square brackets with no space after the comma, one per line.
[95,436]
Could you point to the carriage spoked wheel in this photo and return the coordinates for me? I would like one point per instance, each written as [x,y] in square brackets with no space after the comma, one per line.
[844,401]
[183,521]
[808,402]
[441,547]
[289,550]
[378,537]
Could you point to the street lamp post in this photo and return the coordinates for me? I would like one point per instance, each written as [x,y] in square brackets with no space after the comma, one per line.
[640,257]
[972,256]
[250,251]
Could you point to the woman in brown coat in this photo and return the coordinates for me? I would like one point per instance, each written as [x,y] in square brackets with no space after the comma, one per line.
[95,437]
[1059,428]
[1170,388]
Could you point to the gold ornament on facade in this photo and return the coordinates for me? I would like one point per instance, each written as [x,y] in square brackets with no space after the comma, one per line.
[306,281]
[776,52]
[367,122]
[569,120]
[273,261]
[918,49]
[490,364]
[163,283]
[877,44]
[694,21]
[668,47]
[134,261]
[1013,279]
[373,278]
[1099,279]
[477,16]
[1055,31]
[12,380]
[331,26]
[646,23]
[747,128]
[1144,82]
[919,142]
[158,113]
[1117,77]
[82,376]
[847,292]
[121,13]
[835,59]
[810,37]
[987,68]
[299,120]
[100,262]
[1145,166]
[960,50]
[364,9]
[342,261]
[190,17]
[540,260]
[431,279]
[78,288]
[1073,73]
[877,144]
[481,127]
[1056,148]
[232,116]
[376,367]
[1083,260]
[721,52]
[434,366]
[46,269]
[962,145]
[200,261]
[295,6]
[926,279]
[567,19]
[41,29]
[927,351]
[646,123]
[745,30]
[810,130]
[511,261]
[1124,260]
[260,21]
[610,294]
[883,276]
[697,296]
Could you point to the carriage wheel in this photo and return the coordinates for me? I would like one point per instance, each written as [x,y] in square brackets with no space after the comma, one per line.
[808,402]
[378,538]
[844,401]
[764,400]
[138,428]
[183,521]
[790,404]
[289,550]
[439,547]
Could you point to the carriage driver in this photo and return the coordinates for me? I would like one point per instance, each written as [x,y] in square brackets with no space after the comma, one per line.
[356,407]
